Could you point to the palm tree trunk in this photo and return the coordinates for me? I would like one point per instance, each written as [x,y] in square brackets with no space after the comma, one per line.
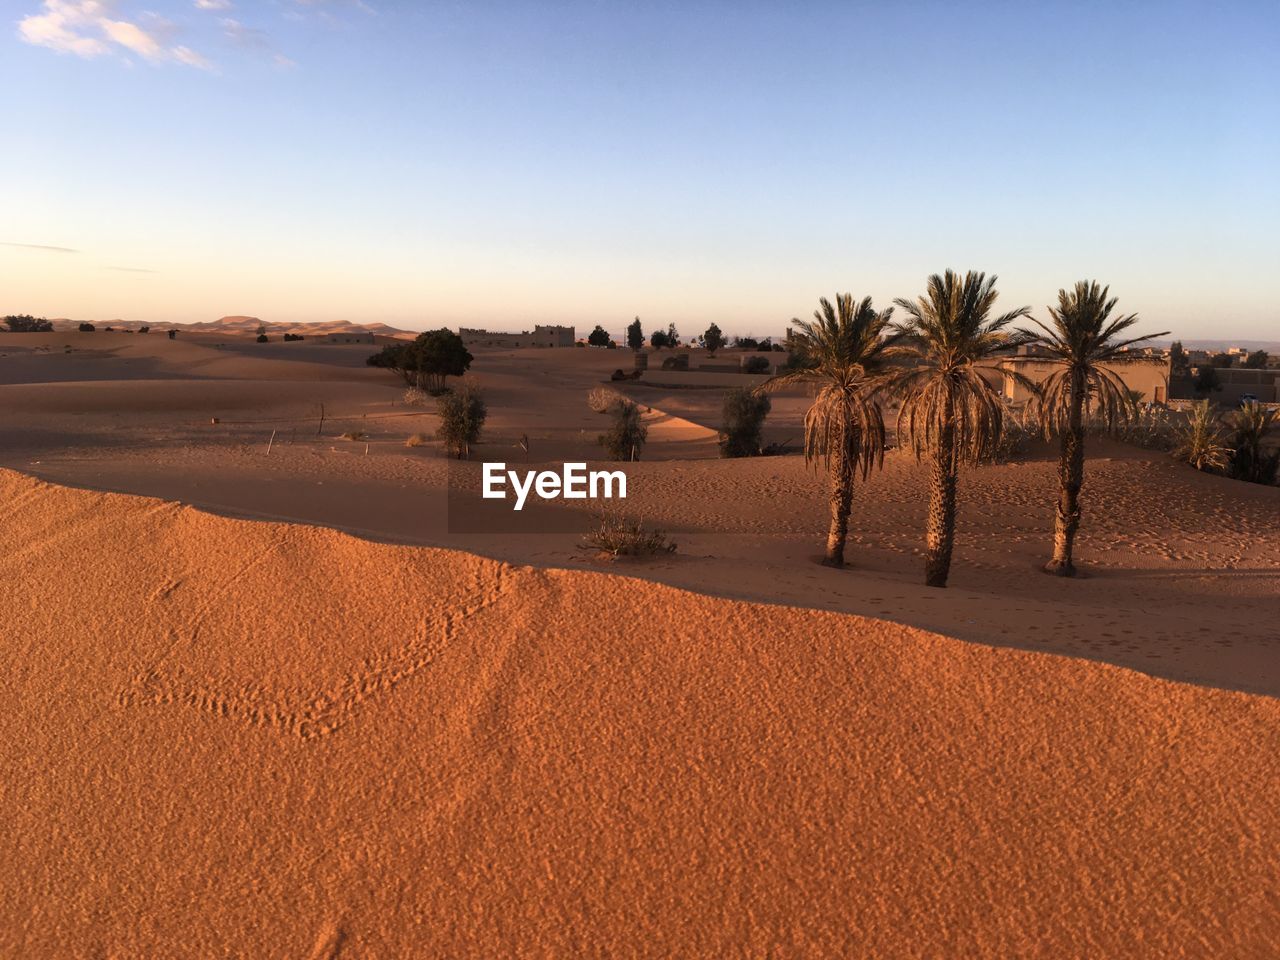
[841,500]
[1071,476]
[941,531]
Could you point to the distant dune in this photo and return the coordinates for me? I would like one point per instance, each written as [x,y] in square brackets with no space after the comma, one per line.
[246,325]
[250,739]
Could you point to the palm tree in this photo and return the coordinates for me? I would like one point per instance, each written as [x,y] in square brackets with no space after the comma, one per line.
[844,352]
[1249,457]
[949,409]
[1082,345]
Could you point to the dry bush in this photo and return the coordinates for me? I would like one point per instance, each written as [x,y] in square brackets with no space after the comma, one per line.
[627,538]
[1151,427]
[1018,433]
[600,399]
[626,435]
[415,397]
[416,440]
[357,435]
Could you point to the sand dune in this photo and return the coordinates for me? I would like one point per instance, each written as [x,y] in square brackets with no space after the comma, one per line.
[248,739]
[1182,576]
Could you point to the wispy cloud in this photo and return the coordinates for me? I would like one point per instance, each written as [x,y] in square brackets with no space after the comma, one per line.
[255,41]
[213,4]
[130,270]
[37,246]
[90,28]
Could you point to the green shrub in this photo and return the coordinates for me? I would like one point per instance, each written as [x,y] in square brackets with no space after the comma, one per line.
[1198,440]
[742,420]
[756,365]
[626,435]
[462,416]
[1250,460]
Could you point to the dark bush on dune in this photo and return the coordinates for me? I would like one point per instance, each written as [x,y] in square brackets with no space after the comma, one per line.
[626,435]
[25,323]
[742,422]
[426,362]
[462,416]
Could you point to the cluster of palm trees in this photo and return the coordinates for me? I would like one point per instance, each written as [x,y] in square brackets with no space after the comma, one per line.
[950,414]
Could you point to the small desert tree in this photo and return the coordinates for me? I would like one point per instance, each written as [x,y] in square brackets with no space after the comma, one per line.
[87,328]
[598,337]
[462,416]
[427,361]
[25,323]
[673,337]
[742,422]
[1257,360]
[635,334]
[1207,380]
[626,435]
[713,339]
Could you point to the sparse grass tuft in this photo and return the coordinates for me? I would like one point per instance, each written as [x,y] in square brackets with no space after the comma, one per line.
[415,397]
[600,399]
[357,435]
[416,440]
[627,538]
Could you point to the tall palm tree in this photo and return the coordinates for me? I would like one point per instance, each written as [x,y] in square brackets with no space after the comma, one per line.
[950,411]
[844,352]
[1082,344]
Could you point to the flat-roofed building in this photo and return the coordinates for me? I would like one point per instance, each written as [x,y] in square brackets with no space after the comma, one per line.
[541,336]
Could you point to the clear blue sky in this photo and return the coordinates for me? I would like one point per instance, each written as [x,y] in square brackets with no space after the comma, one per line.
[505,164]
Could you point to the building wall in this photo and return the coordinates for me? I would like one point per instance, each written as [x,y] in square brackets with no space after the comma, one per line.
[1236,382]
[1150,379]
[542,336]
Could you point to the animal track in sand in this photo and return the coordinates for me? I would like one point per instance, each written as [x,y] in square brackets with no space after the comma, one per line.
[318,713]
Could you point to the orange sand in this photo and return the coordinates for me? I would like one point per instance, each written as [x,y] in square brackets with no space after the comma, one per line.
[1182,572]
[228,738]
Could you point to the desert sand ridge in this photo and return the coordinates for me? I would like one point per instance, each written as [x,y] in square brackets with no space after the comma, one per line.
[1181,575]
[254,739]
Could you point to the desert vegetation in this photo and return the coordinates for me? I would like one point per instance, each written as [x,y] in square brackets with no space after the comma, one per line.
[25,323]
[1199,440]
[618,537]
[846,350]
[600,399]
[462,415]
[1081,342]
[427,361]
[713,339]
[1249,459]
[950,412]
[624,440]
[742,422]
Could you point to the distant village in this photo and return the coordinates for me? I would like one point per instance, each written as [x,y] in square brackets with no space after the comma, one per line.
[1230,377]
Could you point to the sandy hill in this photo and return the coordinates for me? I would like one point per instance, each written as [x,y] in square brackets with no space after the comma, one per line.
[250,739]
[243,325]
